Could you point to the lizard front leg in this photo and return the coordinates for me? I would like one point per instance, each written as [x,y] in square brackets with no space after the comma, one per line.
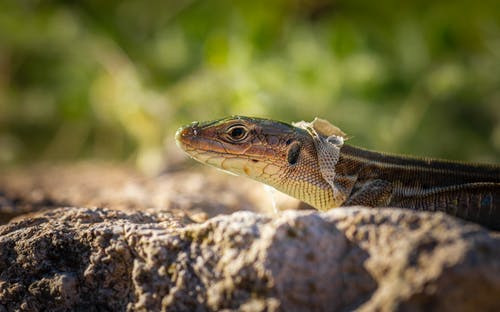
[374,193]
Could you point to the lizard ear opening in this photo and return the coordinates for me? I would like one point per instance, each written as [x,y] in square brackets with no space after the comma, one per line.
[294,152]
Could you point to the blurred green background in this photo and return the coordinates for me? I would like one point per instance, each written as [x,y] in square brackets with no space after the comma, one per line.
[114,79]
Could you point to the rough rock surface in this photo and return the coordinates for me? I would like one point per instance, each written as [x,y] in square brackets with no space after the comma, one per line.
[199,193]
[162,258]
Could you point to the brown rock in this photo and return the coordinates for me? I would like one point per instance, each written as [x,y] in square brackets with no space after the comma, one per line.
[160,244]
[367,259]
[198,194]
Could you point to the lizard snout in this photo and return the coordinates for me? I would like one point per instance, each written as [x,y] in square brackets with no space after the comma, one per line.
[186,133]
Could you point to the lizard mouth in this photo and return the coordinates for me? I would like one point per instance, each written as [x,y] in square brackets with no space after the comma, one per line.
[201,142]
[201,146]
[210,151]
[189,138]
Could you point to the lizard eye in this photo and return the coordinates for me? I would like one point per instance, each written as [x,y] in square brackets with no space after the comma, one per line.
[237,133]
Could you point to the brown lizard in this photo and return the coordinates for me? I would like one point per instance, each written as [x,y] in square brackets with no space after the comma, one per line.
[310,161]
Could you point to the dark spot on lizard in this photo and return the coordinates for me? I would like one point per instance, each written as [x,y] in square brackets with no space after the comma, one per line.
[255,160]
[294,152]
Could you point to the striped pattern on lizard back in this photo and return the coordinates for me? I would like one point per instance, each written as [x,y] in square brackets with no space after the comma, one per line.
[468,191]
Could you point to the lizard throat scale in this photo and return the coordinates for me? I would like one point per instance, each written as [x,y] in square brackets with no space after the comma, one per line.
[310,161]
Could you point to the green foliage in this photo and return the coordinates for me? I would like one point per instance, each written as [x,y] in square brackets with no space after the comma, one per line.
[114,79]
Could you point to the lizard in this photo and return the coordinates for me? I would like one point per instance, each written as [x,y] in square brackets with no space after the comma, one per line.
[311,162]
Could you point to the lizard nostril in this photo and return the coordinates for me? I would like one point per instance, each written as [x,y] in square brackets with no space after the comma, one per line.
[187,131]
[194,127]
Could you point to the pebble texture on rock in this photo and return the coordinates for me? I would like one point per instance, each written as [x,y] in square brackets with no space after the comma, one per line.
[150,259]
[95,259]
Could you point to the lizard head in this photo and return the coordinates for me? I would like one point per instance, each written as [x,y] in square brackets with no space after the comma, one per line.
[281,155]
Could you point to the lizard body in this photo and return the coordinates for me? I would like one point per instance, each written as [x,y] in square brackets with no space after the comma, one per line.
[310,161]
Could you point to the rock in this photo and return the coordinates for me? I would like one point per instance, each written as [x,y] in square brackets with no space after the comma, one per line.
[198,194]
[348,258]
[160,243]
